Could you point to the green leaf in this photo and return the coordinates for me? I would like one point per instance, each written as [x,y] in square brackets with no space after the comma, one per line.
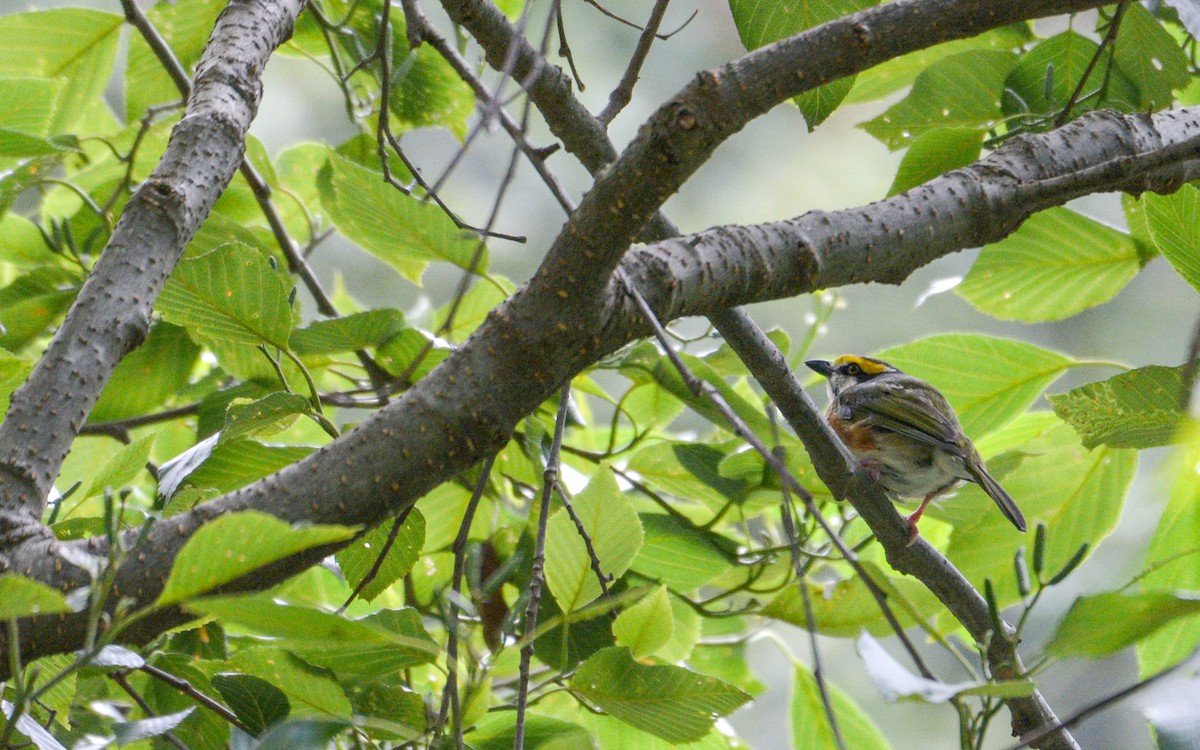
[673,703]
[380,644]
[149,375]
[357,559]
[30,104]
[936,152]
[1173,222]
[1063,58]
[401,230]
[895,74]
[1079,494]
[760,23]
[1150,57]
[236,463]
[33,302]
[646,626]
[841,610]
[310,691]
[616,535]
[233,545]
[74,45]
[427,92]
[810,723]
[231,294]
[256,702]
[1105,623]
[1057,264]
[25,597]
[1171,559]
[962,90]
[497,731]
[1136,409]
[14,143]
[185,28]
[262,416]
[361,330]
[691,471]
[683,557]
[122,467]
[987,380]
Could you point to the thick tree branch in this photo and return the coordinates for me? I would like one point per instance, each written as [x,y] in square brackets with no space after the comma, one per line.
[112,312]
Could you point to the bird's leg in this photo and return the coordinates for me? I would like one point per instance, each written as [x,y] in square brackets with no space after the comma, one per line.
[912,519]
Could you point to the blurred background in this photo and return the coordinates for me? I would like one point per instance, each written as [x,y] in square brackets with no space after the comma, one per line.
[774,169]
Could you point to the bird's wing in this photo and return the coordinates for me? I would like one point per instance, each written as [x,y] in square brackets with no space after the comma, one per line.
[919,412]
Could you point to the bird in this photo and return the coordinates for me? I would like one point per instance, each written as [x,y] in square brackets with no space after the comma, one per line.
[905,434]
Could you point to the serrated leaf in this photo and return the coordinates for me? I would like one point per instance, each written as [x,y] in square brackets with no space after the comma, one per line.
[122,467]
[232,546]
[27,726]
[236,463]
[961,91]
[304,733]
[357,559]
[76,45]
[1078,493]
[810,722]
[310,691]
[936,152]
[673,703]
[230,294]
[1136,409]
[759,23]
[616,535]
[1063,58]
[143,729]
[895,74]
[119,657]
[185,28]
[497,731]
[25,597]
[256,702]
[262,415]
[1173,223]
[1105,623]
[1150,57]
[1057,264]
[361,330]
[401,230]
[1171,558]
[30,103]
[987,380]
[680,556]
[148,375]
[427,92]
[646,626]
[33,302]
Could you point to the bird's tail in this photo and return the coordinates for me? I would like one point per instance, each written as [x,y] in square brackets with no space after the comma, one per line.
[1005,502]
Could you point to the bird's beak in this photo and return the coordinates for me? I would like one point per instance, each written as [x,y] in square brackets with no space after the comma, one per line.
[820,366]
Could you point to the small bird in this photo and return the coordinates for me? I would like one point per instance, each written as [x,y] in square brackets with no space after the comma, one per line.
[905,434]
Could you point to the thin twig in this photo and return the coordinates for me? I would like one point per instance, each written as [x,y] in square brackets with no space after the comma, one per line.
[549,480]
[1108,39]
[700,387]
[377,565]
[187,689]
[123,682]
[793,540]
[564,48]
[623,93]
[450,696]
[1100,705]
[1191,366]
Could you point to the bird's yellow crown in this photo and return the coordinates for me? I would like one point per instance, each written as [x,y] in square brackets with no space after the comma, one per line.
[868,365]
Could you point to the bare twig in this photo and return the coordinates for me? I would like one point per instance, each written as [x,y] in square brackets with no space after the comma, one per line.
[1109,38]
[622,94]
[536,574]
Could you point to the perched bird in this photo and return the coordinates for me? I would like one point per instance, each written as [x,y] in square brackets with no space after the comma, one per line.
[905,434]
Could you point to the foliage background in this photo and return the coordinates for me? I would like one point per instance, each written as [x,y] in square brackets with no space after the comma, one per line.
[772,169]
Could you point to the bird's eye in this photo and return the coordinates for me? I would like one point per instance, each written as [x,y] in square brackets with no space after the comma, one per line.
[853,369]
